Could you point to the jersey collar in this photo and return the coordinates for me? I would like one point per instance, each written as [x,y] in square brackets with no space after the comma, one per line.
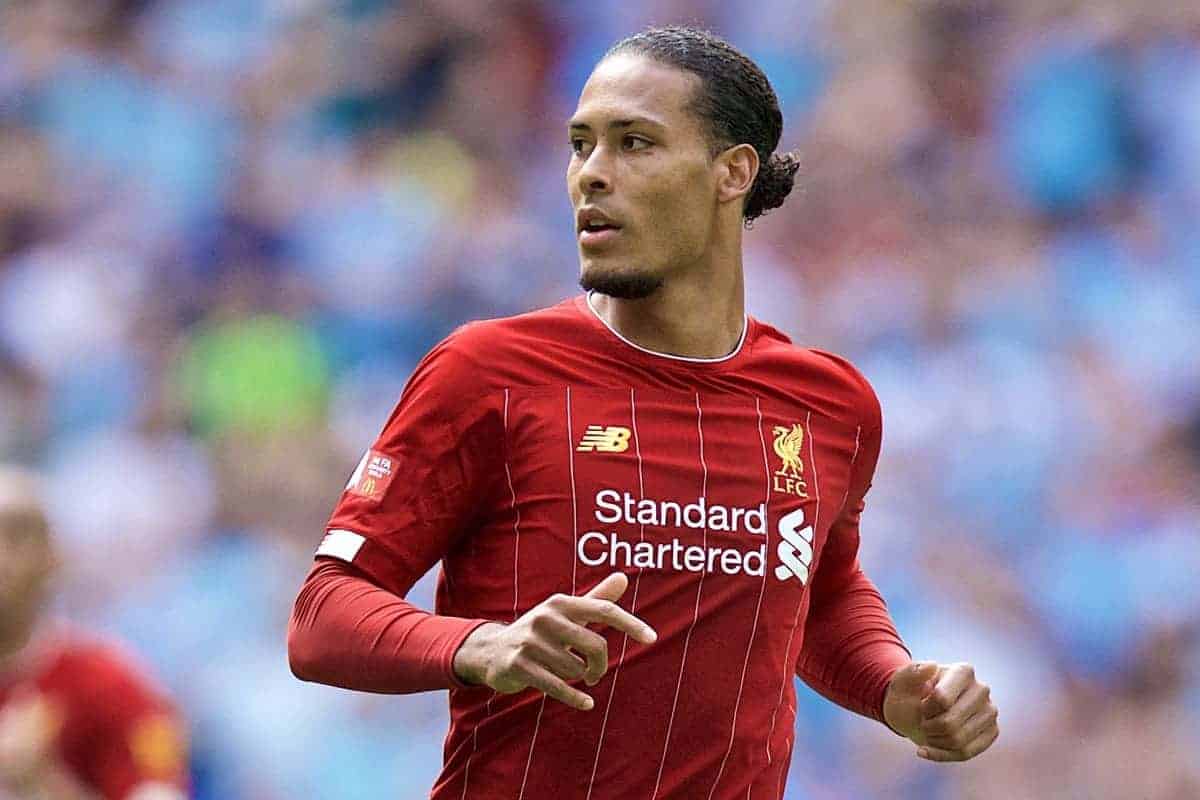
[670,356]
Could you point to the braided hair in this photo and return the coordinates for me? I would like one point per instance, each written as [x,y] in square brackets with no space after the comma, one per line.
[735,100]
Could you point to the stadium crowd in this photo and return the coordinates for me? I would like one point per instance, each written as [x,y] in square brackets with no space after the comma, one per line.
[228,229]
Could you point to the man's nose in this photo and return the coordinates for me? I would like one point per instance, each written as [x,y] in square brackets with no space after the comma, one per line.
[595,176]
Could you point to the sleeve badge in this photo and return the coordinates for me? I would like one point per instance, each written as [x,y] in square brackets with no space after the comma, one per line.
[372,477]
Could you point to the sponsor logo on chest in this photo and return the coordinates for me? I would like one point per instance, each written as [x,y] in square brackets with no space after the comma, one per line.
[620,542]
[613,548]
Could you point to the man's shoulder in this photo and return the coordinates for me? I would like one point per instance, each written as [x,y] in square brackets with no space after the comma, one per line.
[542,324]
[93,666]
[831,374]
[479,357]
[101,658]
[483,345]
[105,691]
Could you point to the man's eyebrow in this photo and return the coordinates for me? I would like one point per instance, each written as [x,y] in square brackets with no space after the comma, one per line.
[577,125]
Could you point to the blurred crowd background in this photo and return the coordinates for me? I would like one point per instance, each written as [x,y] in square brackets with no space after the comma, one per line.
[229,228]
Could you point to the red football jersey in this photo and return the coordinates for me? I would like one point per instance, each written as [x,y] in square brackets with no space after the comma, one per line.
[117,735]
[540,453]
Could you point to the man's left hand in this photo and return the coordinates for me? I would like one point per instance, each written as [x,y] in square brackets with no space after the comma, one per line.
[943,708]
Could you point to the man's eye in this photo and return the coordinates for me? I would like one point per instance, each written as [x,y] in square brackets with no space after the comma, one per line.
[577,146]
[635,143]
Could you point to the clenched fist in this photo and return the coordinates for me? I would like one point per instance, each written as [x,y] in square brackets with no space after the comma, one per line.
[550,645]
[943,708]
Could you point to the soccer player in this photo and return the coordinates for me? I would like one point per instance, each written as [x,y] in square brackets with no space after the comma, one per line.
[646,503]
[77,719]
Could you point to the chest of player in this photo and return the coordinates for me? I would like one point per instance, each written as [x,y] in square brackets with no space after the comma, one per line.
[674,487]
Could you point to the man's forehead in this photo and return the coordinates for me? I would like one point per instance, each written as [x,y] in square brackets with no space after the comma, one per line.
[631,86]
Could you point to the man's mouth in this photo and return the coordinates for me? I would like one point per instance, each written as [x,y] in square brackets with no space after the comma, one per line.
[595,228]
[597,235]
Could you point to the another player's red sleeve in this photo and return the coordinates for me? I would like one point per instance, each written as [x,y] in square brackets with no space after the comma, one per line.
[851,647]
[418,490]
[123,737]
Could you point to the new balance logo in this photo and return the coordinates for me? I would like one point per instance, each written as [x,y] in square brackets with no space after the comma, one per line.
[600,439]
[795,547]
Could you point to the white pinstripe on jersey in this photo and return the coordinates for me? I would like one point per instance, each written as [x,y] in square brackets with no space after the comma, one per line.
[695,615]
[516,555]
[575,528]
[757,608]
[633,604]
[853,458]
[789,669]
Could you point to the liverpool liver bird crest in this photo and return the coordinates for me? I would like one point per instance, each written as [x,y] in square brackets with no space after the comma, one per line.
[789,443]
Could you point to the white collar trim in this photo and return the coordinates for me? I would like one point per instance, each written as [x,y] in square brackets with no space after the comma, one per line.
[688,359]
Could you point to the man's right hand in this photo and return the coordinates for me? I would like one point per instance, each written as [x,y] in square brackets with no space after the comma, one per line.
[550,644]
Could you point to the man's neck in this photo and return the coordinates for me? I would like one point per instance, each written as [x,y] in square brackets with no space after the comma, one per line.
[701,315]
[14,641]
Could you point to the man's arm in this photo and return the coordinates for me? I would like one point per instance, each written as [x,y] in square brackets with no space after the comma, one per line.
[346,631]
[851,647]
[429,477]
[421,488]
[853,655]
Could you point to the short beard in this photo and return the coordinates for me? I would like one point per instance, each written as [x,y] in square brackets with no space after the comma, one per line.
[633,286]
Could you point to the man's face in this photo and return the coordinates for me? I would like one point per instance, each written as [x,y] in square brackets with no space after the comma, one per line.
[640,163]
[25,559]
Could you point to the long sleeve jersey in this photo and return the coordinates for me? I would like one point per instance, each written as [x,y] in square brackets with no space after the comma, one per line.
[538,454]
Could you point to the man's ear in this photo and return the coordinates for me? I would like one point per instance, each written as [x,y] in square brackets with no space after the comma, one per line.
[738,167]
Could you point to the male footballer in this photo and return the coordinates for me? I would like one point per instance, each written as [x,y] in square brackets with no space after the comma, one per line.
[646,503]
[79,719]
